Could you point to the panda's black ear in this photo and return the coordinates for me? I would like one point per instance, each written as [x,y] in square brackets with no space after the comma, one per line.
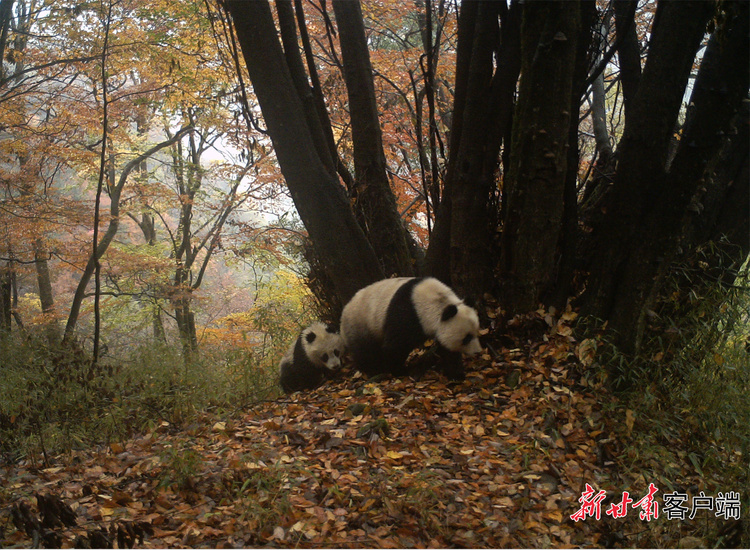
[311,336]
[332,329]
[449,312]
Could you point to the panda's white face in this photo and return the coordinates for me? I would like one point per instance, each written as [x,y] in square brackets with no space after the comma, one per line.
[323,346]
[458,329]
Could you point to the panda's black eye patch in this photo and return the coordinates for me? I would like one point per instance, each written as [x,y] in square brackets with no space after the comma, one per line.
[324,357]
[468,338]
[336,352]
[310,337]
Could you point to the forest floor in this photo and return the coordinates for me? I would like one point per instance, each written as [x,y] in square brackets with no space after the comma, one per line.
[499,460]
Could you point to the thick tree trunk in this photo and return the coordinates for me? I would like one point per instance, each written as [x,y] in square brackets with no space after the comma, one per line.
[715,245]
[437,258]
[185,319]
[340,243]
[567,248]
[536,182]
[720,212]
[677,32]
[372,193]
[465,227]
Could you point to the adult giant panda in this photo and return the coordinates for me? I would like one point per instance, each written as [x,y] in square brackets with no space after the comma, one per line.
[385,321]
[311,358]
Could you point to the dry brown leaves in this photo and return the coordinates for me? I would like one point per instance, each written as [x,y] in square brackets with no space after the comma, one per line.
[488,462]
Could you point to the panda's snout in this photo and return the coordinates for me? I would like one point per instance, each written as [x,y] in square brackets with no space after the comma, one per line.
[474,348]
[331,361]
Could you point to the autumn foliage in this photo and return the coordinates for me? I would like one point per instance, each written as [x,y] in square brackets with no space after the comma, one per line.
[541,157]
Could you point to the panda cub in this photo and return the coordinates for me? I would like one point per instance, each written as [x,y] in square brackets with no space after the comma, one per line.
[313,356]
[385,321]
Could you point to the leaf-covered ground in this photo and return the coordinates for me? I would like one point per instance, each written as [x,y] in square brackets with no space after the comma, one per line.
[498,460]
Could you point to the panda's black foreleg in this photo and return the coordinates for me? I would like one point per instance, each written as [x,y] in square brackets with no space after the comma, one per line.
[451,363]
[397,346]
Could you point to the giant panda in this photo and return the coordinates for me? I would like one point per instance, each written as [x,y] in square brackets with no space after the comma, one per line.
[313,356]
[386,320]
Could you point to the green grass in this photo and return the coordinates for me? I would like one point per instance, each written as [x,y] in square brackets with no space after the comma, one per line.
[54,401]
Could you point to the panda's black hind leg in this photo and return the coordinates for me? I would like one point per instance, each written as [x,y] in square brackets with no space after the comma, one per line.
[368,357]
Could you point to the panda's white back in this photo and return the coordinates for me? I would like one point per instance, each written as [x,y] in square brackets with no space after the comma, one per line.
[366,311]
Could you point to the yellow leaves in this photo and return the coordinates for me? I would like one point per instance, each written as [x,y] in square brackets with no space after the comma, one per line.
[586,352]
[629,421]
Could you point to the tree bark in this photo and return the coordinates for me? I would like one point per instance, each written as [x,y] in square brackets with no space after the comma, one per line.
[372,193]
[536,182]
[288,29]
[340,243]
[319,99]
[6,304]
[568,246]
[437,258]
[720,211]
[6,14]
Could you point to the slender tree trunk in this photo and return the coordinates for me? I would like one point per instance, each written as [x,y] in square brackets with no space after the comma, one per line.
[429,68]
[46,295]
[323,143]
[112,227]
[318,97]
[341,245]
[6,297]
[539,157]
